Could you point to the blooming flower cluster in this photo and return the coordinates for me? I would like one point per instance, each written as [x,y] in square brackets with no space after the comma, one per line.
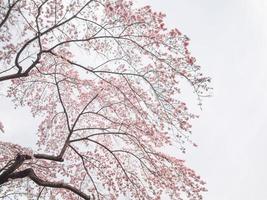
[104,78]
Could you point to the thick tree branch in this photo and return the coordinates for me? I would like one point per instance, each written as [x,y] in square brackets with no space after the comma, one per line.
[30,173]
[11,173]
[17,163]
[49,157]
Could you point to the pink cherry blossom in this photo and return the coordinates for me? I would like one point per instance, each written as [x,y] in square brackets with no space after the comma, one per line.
[105,80]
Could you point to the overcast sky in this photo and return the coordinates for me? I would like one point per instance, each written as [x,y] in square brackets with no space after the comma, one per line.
[229,40]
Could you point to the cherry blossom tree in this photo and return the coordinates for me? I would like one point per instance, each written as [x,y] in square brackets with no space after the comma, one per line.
[104,78]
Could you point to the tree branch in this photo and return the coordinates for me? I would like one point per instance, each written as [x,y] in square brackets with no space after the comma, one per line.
[8,13]
[17,163]
[9,173]
[30,173]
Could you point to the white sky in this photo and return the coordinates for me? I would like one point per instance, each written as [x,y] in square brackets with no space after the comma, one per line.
[229,40]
